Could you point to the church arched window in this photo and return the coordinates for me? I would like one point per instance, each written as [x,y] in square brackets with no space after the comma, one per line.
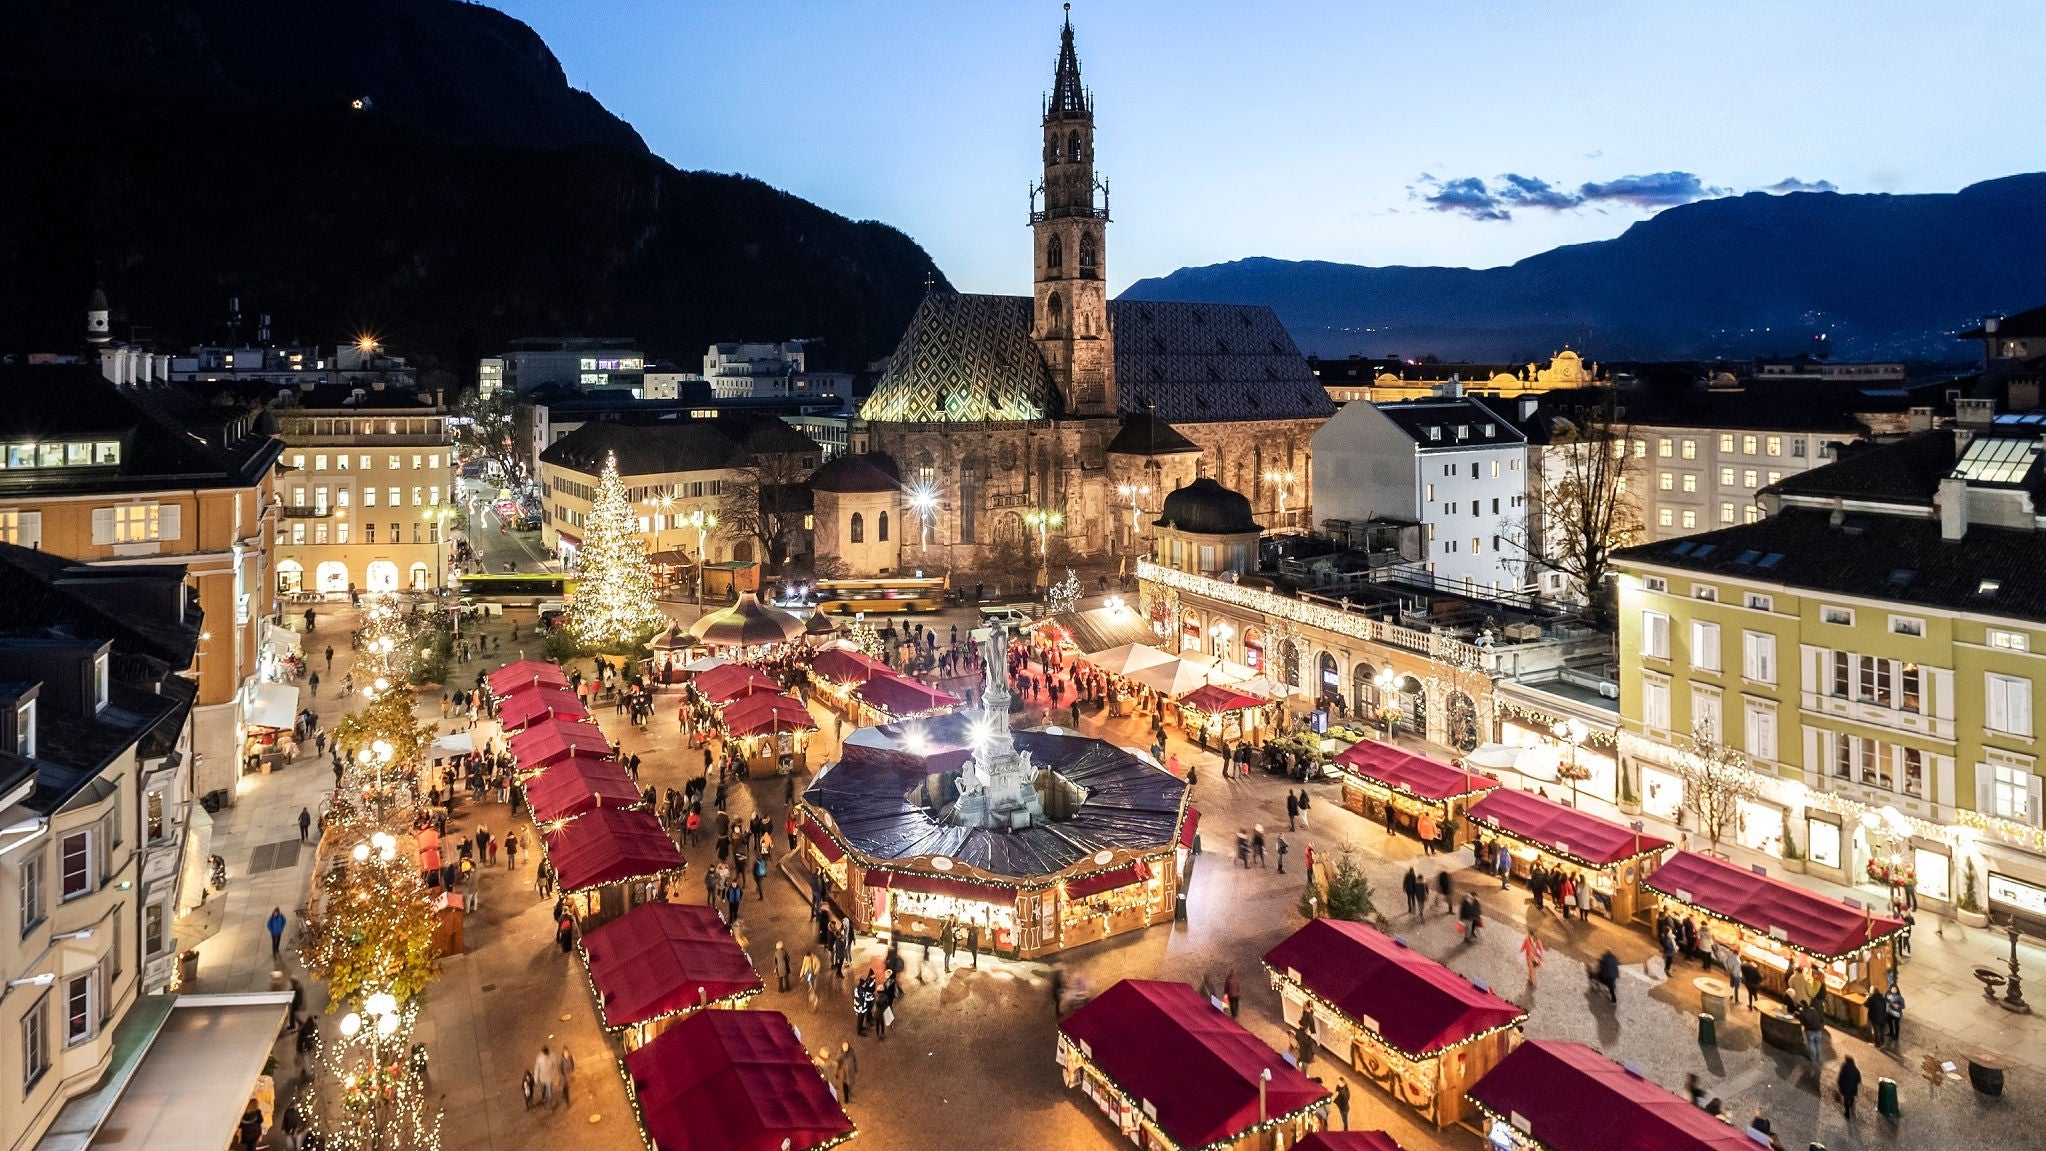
[856,531]
[881,528]
[1089,257]
[1051,150]
[1073,147]
[1055,315]
[1055,257]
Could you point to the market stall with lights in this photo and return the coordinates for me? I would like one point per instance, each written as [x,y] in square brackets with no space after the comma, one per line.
[1418,1030]
[1779,928]
[722,685]
[748,629]
[1217,709]
[527,706]
[525,673]
[890,698]
[837,670]
[660,962]
[771,731]
[554,740]
[732,1081]
[1348,1141]
[577,787]
[610,861]
[1555,1096]
[1377,776]
[1174,1072]
[1613,858]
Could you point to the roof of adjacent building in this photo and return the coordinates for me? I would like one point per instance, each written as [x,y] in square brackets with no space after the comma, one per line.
[1899,559]
[2028,324]
[1144,434]
[1205,507]
[134,606]
[168,436]
[656,446]
[970,358]
[1446,423]
[868,472]
[2005,454]
[311,396]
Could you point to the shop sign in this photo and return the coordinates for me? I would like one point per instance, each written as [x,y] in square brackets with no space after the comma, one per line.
[2029,898]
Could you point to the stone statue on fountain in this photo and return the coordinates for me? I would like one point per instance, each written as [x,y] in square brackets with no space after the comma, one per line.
[997,786]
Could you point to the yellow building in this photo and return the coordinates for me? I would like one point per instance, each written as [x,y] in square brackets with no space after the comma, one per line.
[143,475]
[1872,647]
[1383,380]
[367,490]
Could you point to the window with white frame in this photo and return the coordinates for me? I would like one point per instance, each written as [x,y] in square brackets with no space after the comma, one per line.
[2012,792]
[1654,584]
[1907,625]
[25,729]
[35,1042]
[75,871]
[1705,591]
[22,529]
[2008,704]
[1759,602]
[2009,640]
[1655,703]
[136,523]
[155,936]
[1706,716]
[1758,656]
[1704,645]
[1666,517]
[1759,720]
[81,1007]
[1839,615]
[33,902]
[1690,517]
[1655,635]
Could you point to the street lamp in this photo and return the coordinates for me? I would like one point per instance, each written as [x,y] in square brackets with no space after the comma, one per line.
[1221,634]
[1386,681]
[380,1013]
[925,502]
[1284,480]
[375,758]
[1044,519]
[1132,492]
[703,522]
[1572,733]
[662,505]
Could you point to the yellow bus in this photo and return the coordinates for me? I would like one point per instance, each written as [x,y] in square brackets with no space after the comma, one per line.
[516,588]
[906,594]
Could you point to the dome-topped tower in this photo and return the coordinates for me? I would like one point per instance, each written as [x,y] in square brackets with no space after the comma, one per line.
[97,330]
[1207,528]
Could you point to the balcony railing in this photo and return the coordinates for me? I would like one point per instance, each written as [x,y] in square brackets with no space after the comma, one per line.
[305,511]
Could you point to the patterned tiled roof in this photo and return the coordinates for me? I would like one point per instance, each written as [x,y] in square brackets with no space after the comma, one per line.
[970,358]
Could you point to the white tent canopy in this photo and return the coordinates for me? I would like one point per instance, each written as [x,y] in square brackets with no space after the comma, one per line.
[1175,677]
[275,705]
[1128,658]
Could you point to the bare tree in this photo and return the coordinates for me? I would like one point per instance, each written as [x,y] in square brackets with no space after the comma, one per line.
[766,500]
[1578,509]
[1716,778]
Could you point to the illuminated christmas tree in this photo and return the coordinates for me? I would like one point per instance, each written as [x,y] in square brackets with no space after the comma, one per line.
[369,1090]
[373,923]
[614,607]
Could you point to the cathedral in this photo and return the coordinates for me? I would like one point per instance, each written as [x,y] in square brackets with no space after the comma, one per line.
[1069,414]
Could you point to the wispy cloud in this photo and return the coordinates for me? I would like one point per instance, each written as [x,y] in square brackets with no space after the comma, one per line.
[1793,184]
[1498,198]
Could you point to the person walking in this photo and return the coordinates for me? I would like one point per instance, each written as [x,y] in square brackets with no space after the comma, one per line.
[564,1066]
[543,1076]
[1232,990]
[1878,1020]
[781,967]
[1282,855]
[808,974]
[1609,975]
[1893,1001]
[276,924]
[1532,953]
[863,1002]
[313,681]
[1424,826]
[305,823]
[1343,1102]
[511,851]
[1292,812]
[1751,978]
[847,1069]
[1813,1021]
[1417,896]
[1848,1084]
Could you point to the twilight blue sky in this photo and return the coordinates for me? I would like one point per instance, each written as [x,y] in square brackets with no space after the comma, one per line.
[1425,132]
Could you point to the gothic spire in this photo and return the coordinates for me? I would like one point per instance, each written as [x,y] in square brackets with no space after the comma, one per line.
[1068,98]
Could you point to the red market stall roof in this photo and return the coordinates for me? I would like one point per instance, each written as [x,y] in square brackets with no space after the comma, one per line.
[1820,927]
[733,1081]
[1410,774]
[522,709]
[822,838]
[555,740]
[524,674]
[1415,1004]
[846,665]
[1562,830]
[1164,1045]
[660,959]
[1215,699]
[1572,1098]
[766,714]
[1190,828]
[897,696]
[1348,1141]
[939,885]
[733,680]
[609,846]
[1100,881]
[579,786]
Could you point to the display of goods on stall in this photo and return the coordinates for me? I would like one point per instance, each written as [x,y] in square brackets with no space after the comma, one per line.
[528,706]
[665,959]
[577,787]
[1892,872]
[733,1081]
[1799,918]
[1555,1096]
[523,674]
[554,740]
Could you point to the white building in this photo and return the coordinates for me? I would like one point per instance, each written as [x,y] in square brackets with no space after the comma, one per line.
[738,371]
[1450,464]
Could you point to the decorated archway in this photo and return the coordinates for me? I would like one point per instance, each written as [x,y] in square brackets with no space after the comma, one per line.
[1328,679]
[1363,692]
[1289,663]
[1463,722]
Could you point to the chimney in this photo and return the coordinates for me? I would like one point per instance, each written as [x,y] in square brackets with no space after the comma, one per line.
[1953,508]
[1450,388]
[1921,419]
[1974,413]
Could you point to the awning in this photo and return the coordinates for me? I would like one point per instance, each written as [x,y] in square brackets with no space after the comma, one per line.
[1571,1098]
[902,697]
[1410,774]
[766,714]
[555,740]
[275,705]
[523,674]
[1127,658]
[1217,700]
[1174,677]
[522,709]
[732,1081]
[281,638]
[1820,927]
[1561,830]
[936,885]
[1190,828]
[579,786]
[845,665]
[221,1041]
[1102,881]
[609,846]
[731,681]
[1410,1001]
[817,835]
[663,958]
[456,743]
[1198,1070]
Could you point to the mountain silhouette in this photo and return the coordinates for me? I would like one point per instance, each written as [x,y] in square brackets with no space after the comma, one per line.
[1891,276]
[417,169]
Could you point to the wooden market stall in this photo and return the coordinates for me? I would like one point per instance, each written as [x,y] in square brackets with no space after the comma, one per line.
[1348,1141]
[610,861]
[1420,1031]
[887,697]
[771,731]
[527,706]
[1555,1096]
[732,1081]
[660,962]
[1175,1073]
[731,681]
[837,671]
[577,787]
[1784,930]
[552,741]
[525,673]
[1615,859]
[1378,776]
[1217,710]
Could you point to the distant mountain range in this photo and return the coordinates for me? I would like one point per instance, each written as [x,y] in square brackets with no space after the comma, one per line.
[419,169]
[1879,275]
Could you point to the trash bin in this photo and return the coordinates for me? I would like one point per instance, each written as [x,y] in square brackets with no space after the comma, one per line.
[1197,843]
[1886,1098]
[1708,1030]
[1179,907]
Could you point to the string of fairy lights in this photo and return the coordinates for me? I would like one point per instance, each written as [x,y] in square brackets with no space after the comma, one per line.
[1134,1106]
[615,605]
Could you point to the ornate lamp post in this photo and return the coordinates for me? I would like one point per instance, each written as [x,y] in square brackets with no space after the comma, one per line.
[1387,680]
[1284,480]
[703,522]
[1132,493]
[380,1015]
[1572,733]
[1044,519]
[924,502]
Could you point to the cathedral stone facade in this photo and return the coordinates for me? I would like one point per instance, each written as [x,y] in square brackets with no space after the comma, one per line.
[1067,402]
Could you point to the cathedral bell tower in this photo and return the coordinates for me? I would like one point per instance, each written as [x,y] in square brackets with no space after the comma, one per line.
[1069,231]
